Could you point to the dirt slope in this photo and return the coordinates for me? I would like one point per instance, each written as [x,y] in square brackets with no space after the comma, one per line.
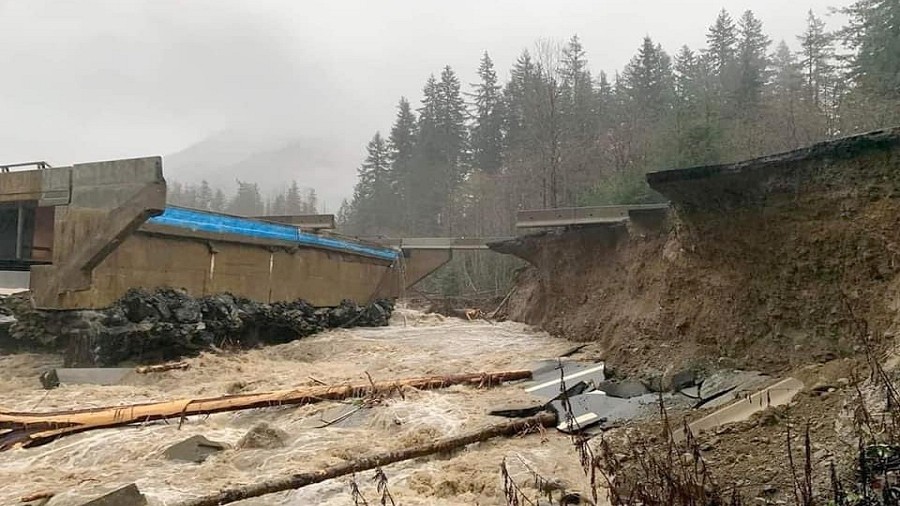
[768,264]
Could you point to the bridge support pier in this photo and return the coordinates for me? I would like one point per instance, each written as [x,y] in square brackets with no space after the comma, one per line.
[419,263]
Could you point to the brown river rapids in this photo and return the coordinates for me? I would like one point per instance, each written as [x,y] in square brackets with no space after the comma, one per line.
[83,466]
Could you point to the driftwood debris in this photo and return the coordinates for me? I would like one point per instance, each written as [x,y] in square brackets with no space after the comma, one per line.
[33,429]
[295,481]
[37,497]
[171,366]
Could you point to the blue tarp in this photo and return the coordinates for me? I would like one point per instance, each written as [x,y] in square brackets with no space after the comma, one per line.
[203,221]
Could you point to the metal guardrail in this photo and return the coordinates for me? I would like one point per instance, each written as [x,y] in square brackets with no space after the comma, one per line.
[438,243]
[540,218]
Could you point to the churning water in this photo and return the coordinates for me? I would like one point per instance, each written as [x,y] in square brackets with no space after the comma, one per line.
[86,465]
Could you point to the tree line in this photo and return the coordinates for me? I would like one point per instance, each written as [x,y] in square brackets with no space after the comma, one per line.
[556,134]
[246,201]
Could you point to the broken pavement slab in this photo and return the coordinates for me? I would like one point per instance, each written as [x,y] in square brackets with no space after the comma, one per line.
[775,395]
[128,495]
[194,449]
[595,407]
[625,389]
[520,411]
[548,381]
[722,387]
[86,376]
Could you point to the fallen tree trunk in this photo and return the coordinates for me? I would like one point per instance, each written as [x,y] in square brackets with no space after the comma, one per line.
[295,481]
[33,429]
[171,366]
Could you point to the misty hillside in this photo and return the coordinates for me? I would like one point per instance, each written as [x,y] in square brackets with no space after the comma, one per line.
[271,161]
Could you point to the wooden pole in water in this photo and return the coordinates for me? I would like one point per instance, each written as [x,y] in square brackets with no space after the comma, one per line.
[295,481]
[33,429]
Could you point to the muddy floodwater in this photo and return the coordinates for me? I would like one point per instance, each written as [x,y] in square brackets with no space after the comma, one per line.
[83,466]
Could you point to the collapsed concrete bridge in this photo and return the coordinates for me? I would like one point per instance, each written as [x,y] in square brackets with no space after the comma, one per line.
[80,237]
[88,233]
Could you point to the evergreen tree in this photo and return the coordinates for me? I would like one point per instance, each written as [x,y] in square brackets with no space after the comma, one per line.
[278,206]
[722,40]
[174,192]
[372,196]
[786,93]
[440,150]
[293,202]
[189,197]
[604,96]
[873,33]
[247,201]
[753,64]
[218,201]
[648,80]
[427,188]
[487,129]
[451,125]
[519,100]
[345,219]
[311,206]
[522,153]
[402,146]
[577,84]
[817,53]
[204,196]
[579,120]
[695,126]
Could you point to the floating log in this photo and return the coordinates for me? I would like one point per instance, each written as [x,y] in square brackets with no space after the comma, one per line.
[33,429]
[295,481]
[171,366]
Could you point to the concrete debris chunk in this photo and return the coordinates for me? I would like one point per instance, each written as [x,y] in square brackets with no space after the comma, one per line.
[517,411]
[625,389]
[683,380]
[194,449]
[547,383]
[596,407]
[264,436]
[722,387]
[128,495]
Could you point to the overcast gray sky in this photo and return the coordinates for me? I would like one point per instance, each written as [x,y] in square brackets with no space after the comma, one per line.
[90,80]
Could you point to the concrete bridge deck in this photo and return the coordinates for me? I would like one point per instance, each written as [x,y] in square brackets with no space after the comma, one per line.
[574,216]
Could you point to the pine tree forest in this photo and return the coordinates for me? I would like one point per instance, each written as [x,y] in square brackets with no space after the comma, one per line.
[556,133]
[247,200]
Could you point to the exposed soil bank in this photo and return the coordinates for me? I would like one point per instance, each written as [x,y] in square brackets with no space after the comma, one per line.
[769,263]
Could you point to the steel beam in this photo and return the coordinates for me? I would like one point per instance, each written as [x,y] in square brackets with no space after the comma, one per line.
[437,243]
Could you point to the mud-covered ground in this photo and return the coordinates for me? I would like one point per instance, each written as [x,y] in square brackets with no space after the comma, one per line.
[86,465]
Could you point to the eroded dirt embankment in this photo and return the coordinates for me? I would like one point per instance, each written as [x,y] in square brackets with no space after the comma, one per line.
[767,263]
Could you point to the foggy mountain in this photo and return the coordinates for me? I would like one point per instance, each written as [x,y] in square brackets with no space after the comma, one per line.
[270,160]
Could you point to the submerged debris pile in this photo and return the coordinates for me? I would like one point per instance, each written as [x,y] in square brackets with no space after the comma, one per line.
[166,324]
